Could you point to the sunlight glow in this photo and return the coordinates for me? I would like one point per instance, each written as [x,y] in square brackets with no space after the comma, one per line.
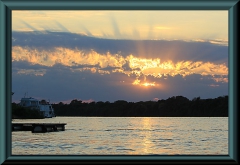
[148,84]
[163,27]
[136,82]
[145,84]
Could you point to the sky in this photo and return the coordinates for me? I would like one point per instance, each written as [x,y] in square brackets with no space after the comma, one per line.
[119,55]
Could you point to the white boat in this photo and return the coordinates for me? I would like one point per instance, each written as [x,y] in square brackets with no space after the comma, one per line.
[44,107]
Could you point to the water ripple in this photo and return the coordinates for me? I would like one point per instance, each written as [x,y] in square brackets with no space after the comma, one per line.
[138,136]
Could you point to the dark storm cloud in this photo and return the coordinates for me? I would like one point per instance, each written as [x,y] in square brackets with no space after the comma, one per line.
[27,65]
[196,85]
[60,83]
[190,86]
[126,66]
[165,50]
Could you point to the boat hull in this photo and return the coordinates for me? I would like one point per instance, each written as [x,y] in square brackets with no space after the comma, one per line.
[44,107]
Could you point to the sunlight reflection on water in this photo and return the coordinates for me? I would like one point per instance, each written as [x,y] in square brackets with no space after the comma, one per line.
[126,136]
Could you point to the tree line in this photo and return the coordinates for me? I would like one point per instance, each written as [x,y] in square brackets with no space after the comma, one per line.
[176,106]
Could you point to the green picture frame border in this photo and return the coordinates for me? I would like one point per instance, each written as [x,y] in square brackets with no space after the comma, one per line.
[6,7]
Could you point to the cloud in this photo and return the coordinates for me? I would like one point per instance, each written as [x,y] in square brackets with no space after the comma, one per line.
[52,68]
[219,42]
[166,50]
[107,63]
[88,101]
[156,99]
[39,72]
[61,83]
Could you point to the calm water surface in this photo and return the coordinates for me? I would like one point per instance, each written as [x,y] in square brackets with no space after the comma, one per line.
[126,136]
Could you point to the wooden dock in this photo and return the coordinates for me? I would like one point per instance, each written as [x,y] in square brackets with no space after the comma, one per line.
[38,127]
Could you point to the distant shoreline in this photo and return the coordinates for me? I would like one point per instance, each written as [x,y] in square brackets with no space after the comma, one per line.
[176,106]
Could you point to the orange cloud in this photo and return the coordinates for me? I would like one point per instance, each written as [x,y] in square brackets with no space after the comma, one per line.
[214,85]
[39,72]
[100,63]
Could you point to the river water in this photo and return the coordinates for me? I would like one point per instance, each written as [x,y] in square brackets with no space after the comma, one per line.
[126,136]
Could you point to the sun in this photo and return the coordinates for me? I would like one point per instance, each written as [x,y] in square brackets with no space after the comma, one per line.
[148,84]
[145,84]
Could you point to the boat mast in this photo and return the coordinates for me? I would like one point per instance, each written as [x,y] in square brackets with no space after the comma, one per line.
[25,94]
